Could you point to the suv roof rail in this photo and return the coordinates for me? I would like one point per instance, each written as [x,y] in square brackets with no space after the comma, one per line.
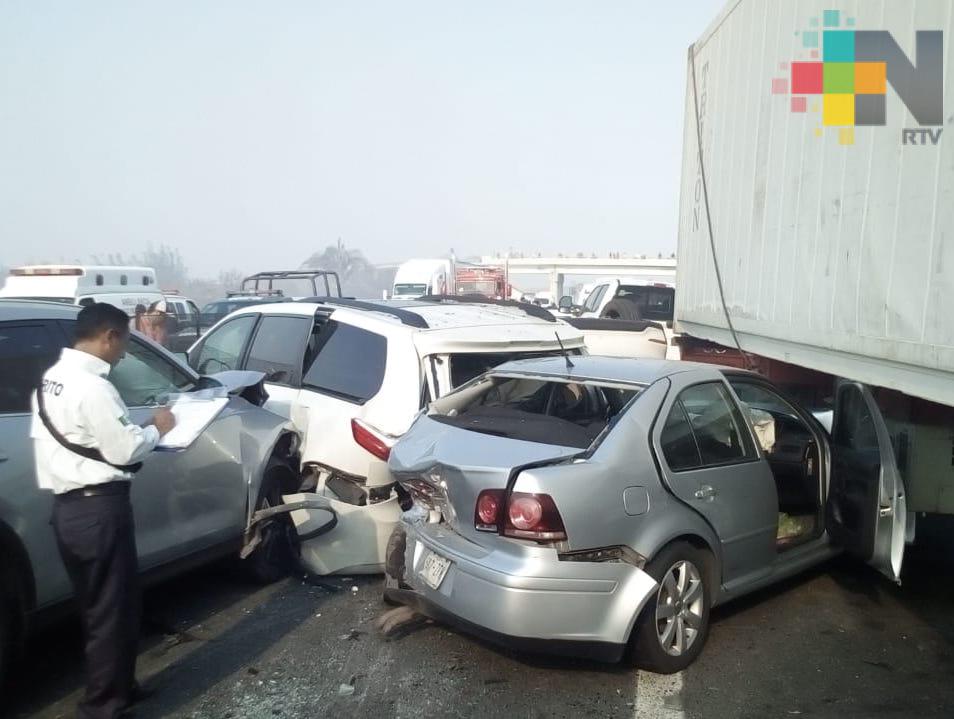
[526,308]
[407,317]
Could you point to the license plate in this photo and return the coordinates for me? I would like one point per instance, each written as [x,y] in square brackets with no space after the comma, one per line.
[433,569]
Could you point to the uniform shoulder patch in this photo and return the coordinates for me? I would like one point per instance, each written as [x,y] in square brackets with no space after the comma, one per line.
[124,421]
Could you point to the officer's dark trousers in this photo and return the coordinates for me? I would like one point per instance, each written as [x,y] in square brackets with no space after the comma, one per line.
[97,541]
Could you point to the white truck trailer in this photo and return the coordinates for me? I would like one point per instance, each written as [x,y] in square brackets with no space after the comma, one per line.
[419,277]
[827,178]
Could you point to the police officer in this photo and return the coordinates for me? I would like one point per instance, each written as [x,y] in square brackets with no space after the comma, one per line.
[87,452]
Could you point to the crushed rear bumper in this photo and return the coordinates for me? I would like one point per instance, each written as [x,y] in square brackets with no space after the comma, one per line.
[521,597]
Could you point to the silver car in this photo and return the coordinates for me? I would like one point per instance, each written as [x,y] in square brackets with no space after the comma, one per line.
[190,506]
[588,507]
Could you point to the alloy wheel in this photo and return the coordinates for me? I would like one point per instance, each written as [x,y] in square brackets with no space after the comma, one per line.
[679,608]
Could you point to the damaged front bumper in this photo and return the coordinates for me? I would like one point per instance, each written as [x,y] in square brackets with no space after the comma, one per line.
[355,544]
[318,518]
[521,596]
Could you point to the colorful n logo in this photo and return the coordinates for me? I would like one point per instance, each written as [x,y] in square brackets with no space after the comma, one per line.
[857,66]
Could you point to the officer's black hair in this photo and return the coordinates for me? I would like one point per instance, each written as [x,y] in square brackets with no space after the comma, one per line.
[100,317]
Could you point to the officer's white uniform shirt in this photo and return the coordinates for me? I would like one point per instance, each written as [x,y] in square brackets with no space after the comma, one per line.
[86,409]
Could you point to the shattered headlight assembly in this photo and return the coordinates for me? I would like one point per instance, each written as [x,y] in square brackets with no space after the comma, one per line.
[428,491]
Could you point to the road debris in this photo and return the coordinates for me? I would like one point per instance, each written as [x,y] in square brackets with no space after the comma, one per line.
[398,622]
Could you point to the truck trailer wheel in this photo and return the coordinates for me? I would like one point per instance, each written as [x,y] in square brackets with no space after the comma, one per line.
[621,309]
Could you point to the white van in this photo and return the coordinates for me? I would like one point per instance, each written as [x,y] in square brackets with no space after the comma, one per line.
[124,287]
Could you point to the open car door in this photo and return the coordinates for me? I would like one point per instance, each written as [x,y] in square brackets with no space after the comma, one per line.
[866,510]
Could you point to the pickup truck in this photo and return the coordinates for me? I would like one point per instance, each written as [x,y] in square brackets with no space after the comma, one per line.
[621,338]
[625,299]
[628,299]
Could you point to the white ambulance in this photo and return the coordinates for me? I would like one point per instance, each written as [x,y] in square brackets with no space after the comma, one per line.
[124,287]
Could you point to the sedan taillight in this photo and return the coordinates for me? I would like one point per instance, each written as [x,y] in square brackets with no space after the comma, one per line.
[520,514]
[488,509]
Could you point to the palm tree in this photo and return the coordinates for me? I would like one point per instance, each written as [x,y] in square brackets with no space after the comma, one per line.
[359,277]
[338,258]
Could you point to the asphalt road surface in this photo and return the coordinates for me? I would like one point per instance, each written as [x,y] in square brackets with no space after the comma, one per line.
[837,642]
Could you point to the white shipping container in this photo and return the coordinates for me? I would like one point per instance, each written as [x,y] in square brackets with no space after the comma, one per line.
[835,242]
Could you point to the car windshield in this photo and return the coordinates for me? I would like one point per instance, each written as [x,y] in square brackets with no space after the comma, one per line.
[143,377]
[536,409]
[416,290]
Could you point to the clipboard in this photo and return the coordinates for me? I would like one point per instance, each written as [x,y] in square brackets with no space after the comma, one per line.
[193,415]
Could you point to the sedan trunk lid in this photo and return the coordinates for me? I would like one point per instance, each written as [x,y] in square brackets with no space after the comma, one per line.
[446,468]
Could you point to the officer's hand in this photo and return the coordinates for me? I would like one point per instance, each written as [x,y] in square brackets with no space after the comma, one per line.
[164,420]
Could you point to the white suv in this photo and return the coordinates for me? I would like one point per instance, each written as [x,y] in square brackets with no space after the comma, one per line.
[352,376]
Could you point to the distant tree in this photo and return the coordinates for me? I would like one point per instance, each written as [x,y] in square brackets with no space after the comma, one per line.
[171,272]
[231,279]
[340,259]
[359,278]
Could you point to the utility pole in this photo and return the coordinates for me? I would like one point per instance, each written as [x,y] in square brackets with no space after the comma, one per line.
[507,290]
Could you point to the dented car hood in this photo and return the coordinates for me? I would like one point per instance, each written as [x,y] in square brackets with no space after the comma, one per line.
[235,380]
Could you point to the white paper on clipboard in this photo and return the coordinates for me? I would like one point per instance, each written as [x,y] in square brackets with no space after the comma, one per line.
[193,415]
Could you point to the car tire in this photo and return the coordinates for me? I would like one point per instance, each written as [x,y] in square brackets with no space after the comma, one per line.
[621,309]
[276,555]
[11,637]
[6,643]
[673,626]
[394,564]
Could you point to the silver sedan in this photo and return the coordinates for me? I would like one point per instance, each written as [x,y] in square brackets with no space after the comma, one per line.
[595,505]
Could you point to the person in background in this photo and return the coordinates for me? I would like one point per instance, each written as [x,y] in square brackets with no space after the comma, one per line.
[156,323]
[87,451]
[137,323]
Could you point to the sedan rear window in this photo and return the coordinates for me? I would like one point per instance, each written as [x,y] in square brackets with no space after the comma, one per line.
[466,366]
[549,411]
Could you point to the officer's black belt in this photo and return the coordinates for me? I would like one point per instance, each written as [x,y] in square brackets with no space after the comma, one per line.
[97,490]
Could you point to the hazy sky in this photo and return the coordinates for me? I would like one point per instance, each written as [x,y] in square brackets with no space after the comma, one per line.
[250,134]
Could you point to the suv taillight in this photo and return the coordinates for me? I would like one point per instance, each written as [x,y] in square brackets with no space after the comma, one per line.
[370,439]
[520,514]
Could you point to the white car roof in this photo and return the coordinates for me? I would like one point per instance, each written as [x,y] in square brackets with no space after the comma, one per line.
[452,326]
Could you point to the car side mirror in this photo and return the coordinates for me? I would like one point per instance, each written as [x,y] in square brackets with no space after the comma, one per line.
[566,303]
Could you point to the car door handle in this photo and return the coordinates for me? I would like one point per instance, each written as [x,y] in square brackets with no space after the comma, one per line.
[705,492]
